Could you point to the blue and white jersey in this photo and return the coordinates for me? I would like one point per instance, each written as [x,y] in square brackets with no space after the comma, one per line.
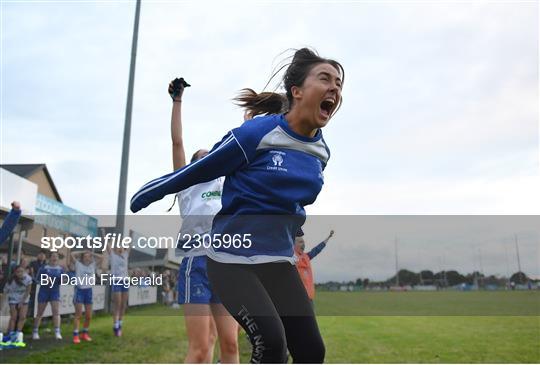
[16,292]
[84,273]
[198,205]
[270,172]
[51,272]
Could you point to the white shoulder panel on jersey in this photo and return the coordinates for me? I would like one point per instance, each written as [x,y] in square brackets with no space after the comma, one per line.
[278,138]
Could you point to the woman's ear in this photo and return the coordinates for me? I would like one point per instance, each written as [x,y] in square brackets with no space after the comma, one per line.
[297,92]
[247,115]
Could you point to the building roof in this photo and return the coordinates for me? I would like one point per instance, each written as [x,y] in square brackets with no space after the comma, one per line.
[26,170]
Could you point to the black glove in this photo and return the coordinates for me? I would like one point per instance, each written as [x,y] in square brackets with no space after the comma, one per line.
[177,86]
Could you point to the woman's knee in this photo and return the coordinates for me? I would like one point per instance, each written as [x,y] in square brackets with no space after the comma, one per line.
[198,351]
[312,352]
[272,349]
[228,345]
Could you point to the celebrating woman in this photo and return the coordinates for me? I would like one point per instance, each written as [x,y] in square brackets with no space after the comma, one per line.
[273,167]
[18,291]
[204,315]
[85,269]
[49,294]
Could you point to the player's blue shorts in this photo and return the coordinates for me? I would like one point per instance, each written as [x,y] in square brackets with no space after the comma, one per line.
[82,296]
[120,288]
[193,284]
[16,301]
[47,294]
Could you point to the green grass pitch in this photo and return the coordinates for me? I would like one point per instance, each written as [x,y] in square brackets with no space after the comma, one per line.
[359,327]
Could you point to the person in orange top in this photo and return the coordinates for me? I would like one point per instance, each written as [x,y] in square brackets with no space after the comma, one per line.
[303,263]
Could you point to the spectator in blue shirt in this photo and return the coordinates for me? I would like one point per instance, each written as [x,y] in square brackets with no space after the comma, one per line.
[10,222]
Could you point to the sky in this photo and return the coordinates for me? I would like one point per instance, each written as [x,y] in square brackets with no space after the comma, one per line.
[440,99]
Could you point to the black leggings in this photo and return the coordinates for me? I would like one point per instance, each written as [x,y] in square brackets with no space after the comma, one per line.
[271,304]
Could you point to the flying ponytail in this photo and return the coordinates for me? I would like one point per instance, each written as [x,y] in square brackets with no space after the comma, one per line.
[263,103]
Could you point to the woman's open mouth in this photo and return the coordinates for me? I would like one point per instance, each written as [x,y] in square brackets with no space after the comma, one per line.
[327,107]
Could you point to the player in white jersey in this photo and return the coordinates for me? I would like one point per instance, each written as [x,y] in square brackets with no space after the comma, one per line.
[118,260]
[52,271]
[203,312]
[85,271]
[18,293]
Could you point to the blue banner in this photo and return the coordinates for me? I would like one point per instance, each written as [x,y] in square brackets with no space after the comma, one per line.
[54,214]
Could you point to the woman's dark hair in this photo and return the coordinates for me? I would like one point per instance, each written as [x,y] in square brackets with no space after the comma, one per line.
[263,103]
[297,71]
[194,157]
[14,275]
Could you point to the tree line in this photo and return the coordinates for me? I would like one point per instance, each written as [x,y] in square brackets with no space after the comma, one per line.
[440,279]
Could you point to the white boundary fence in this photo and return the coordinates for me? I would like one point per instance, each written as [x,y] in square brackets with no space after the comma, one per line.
[137,296]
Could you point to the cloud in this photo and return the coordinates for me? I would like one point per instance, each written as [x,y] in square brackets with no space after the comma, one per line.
[507,195]
[440,110]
